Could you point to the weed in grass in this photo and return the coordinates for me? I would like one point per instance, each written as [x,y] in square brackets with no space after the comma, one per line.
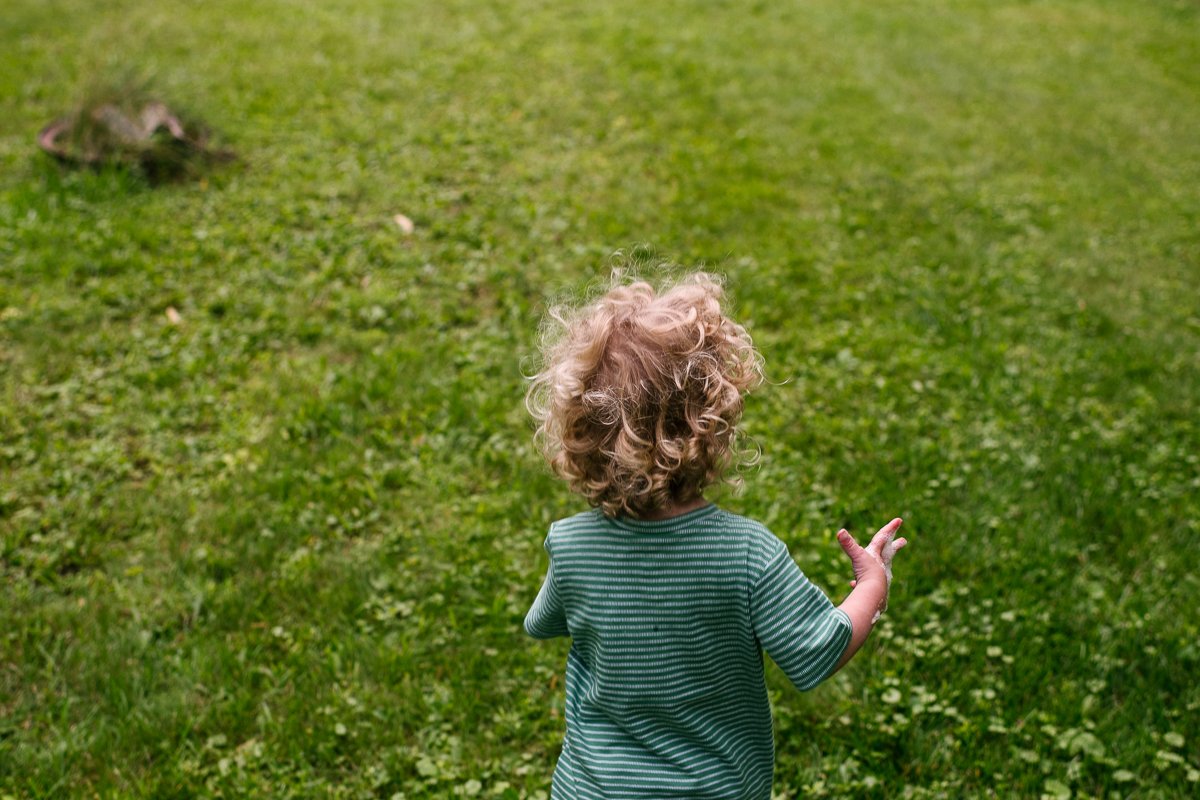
[123,124]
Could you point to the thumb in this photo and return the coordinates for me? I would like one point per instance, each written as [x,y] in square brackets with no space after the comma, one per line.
[848,544]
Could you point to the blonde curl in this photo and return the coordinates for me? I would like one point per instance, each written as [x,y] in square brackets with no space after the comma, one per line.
[640,392]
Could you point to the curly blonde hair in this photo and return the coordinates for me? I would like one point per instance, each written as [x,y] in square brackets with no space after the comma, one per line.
[640,393]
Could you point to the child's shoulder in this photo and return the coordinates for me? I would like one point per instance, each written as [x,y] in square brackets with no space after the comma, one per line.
[717,532]
[756,537]
[761,543]
[584,521]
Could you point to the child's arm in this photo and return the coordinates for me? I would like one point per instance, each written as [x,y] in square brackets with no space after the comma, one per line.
[872,577]
[793,620]
[547,617]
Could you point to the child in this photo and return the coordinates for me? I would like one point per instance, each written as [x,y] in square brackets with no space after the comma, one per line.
[670,600]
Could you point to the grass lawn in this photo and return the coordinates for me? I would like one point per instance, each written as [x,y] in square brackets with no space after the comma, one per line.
[283,547]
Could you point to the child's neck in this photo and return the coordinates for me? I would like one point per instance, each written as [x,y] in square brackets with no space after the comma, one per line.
[675,509]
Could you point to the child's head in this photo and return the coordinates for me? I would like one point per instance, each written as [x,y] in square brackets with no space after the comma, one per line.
[640,393]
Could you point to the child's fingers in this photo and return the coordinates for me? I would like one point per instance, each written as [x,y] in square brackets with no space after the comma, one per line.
[886,532]
[853,584]
[896,545]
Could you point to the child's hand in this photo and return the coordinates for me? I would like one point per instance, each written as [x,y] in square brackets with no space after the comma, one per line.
[876,558]
[872,578]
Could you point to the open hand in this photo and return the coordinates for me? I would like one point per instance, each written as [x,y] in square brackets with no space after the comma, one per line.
[877,556]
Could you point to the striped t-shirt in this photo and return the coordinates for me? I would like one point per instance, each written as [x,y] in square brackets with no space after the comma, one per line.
[666,695]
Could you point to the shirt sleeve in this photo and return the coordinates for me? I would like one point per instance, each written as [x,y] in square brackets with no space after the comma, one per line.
[798,626]
[547,618]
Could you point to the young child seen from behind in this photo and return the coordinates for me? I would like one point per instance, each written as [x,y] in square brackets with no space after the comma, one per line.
[668,599]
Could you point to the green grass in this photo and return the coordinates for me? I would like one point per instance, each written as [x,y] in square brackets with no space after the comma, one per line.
[283,549]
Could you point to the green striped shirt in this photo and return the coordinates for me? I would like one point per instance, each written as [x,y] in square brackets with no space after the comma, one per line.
[666,695]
